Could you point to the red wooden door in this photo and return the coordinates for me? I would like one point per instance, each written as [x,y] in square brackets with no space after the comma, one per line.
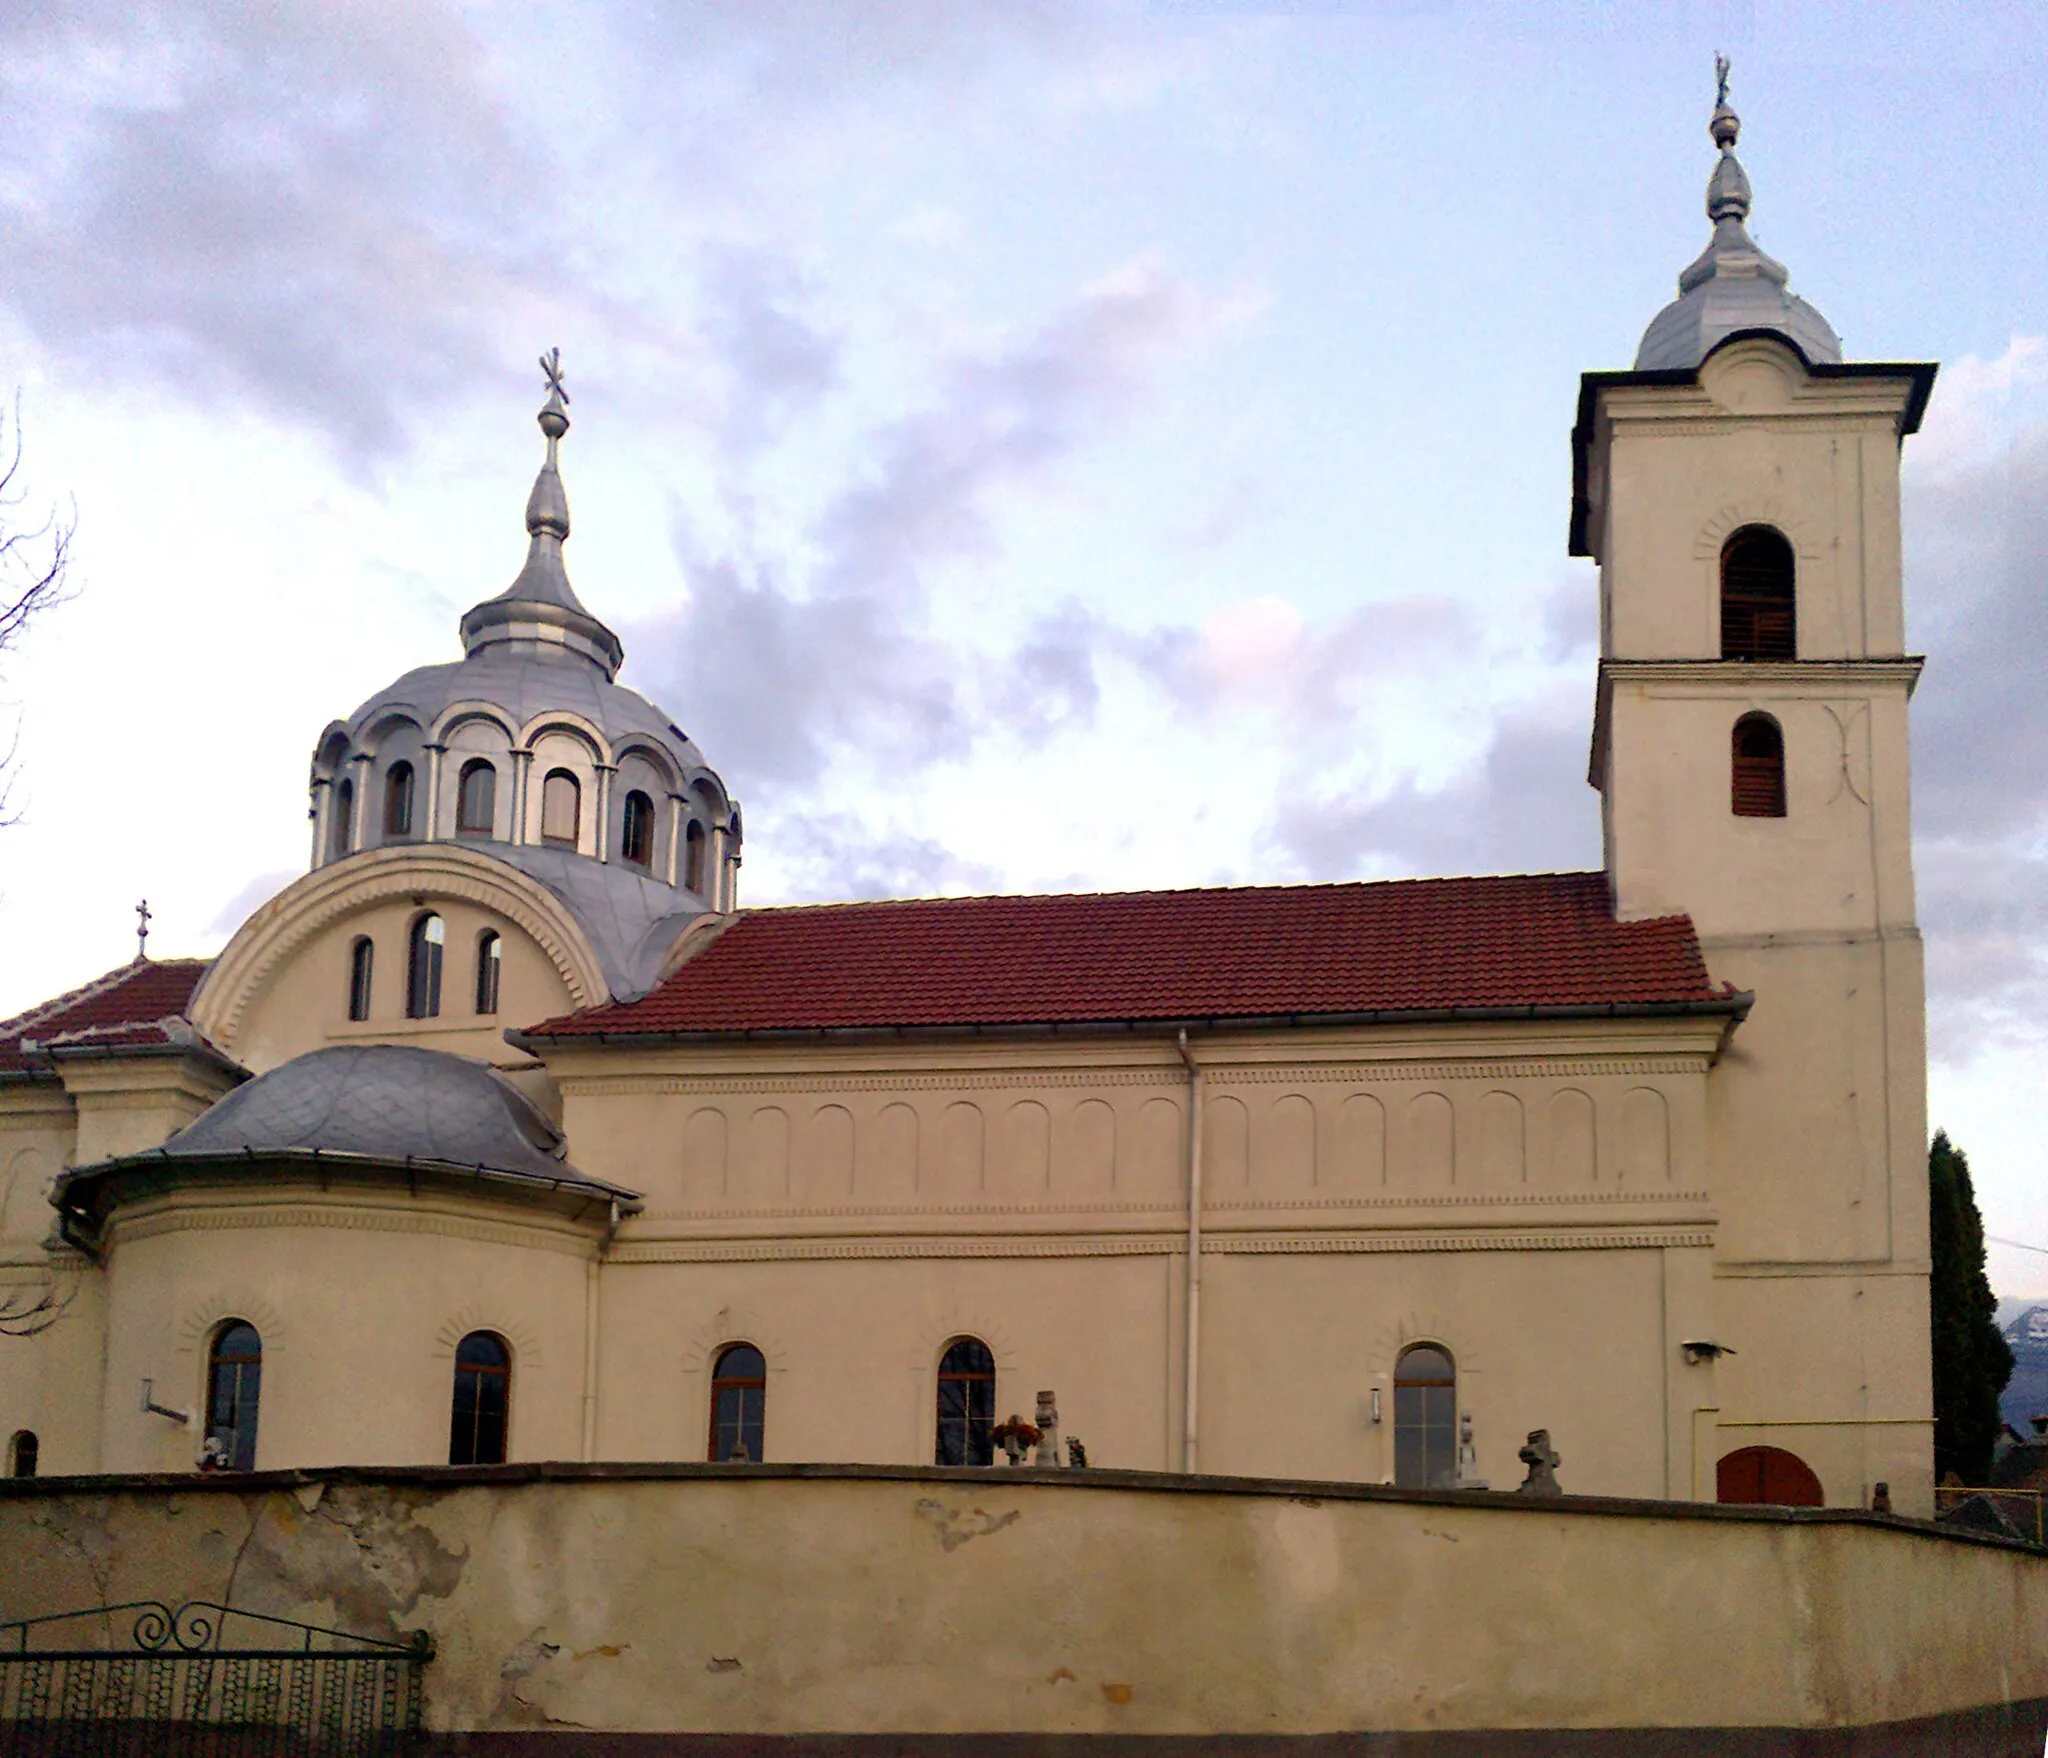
[1767,1474]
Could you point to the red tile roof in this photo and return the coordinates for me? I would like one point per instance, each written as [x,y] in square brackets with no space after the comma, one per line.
[1545,940]
[135,1006]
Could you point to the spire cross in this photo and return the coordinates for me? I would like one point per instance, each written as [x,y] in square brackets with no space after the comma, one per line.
[1720,86]
[551,366]
[142,930]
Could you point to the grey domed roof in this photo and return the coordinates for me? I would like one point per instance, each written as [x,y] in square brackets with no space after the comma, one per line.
[1732,286]
[526,684]
[389,1103]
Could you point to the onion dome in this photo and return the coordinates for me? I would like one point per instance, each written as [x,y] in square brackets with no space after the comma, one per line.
[1732,285]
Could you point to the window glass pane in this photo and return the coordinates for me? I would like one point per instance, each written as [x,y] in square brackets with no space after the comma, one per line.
[693,848]
[233,1393]
[637,843]
[341,820]
[476,801]
[423,968]
[481,1410]
[361,970]
[24,1455]
[560,803]
[398,800]
[490,961]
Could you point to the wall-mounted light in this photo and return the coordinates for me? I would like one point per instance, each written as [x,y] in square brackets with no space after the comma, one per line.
[1699,1349]
[1375,1403]
[150,1407]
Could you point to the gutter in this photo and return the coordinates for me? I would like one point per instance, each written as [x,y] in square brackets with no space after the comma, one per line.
[1735,1004]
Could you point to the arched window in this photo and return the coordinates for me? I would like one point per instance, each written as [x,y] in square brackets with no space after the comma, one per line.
[739,1395]
[1767,1474]
[24,1453]
[398,800]
[423,967]
[636,841]
[483,1400]
[1757,600]
[696,846]
[476,798]
[967,1404]
[341,819]
[1425,1419]
[362,959]
[234,1386]
[561,807]
[1757,784]
[490,962]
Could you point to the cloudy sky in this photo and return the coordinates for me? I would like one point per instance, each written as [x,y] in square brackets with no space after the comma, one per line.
[1028,445]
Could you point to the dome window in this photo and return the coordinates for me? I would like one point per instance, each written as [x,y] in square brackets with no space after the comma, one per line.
[398,800]
[696,846]
[490,964]
[1757,789]
[636,840]
[476,799]
[561,808]
[341,820]
[1757,608]
[423,967]
[362,959]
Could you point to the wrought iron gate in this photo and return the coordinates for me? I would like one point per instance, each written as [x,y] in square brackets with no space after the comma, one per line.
[142,1680]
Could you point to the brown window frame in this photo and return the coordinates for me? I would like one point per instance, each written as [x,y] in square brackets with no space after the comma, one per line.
[574,837]
[466,820]
[723,1381]
[490,970]
[362,976]
[398,799]
[472,1448]
[1426,1406]
[636,830]
[1759,595]
[1756,779]
[976,1417]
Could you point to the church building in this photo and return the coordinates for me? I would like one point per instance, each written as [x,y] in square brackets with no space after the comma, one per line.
[508,1131]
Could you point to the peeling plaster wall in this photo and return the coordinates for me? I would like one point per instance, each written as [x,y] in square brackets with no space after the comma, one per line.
[860,1600]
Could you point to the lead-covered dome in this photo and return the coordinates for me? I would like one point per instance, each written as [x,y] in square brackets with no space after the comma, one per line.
[528,750]
[1732,286]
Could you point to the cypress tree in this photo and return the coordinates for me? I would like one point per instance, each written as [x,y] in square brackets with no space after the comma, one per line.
[1971,1359]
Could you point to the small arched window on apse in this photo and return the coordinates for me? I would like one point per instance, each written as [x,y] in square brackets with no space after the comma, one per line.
[561,808]
[341,819]
[1757,768]
[490,966]
[362,962]
[234,1390]
[1425,1419]
[476,798]
[739,1397]
[1768,1475]
[24,1453]
[423,951]
[1758,609]
[967,1404]
[636,837]
[398,800]
[482,1412]
[696,857]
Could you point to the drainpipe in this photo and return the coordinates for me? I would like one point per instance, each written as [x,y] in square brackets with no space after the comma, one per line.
[590,1315]
[1191,1344]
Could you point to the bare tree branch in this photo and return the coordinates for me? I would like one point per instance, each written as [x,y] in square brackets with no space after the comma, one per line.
[35,564]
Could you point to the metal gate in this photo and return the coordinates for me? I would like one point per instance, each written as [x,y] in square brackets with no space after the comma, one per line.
[142,1680]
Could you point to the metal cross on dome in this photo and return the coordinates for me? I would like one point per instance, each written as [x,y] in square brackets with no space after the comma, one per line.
[551,365]
[142,929]
[1720,85]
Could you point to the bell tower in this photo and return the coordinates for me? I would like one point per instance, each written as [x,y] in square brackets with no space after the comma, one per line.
[1739,490]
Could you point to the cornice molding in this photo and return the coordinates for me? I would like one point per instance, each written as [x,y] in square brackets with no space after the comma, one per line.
[130,1230]
[310,904]
[1751,676]
[1159,1245]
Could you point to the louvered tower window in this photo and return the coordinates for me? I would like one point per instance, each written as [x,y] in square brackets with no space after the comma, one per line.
[1757,611]
[1758,787]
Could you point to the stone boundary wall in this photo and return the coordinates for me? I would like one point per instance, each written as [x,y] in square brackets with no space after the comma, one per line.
[794,1610]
